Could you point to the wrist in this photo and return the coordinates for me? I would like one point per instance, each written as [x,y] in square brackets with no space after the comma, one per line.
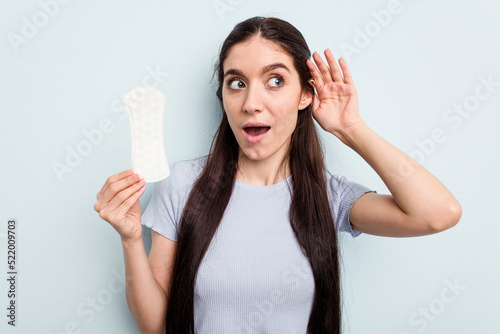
[132,242]
[350,135]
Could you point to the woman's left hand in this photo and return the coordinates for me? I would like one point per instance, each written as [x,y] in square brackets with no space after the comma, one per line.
[335,106]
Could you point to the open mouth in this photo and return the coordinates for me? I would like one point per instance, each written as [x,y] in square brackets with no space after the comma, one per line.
[255,134]
[256,130]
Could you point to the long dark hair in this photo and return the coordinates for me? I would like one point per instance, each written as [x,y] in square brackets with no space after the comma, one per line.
[311,215]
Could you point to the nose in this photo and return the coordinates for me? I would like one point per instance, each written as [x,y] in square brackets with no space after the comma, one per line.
[253,101]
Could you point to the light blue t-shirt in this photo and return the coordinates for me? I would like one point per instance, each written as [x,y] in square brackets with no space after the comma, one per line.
[254,277]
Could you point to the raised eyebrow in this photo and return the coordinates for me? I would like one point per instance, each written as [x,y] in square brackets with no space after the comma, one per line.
[265,69]
[271,67]
[233,72]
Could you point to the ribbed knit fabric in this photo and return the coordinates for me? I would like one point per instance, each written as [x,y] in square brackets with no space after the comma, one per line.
[254,277]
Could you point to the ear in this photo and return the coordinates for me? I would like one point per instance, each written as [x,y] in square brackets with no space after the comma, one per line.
[305,99]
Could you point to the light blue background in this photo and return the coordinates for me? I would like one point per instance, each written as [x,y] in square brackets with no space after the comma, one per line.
[71,75]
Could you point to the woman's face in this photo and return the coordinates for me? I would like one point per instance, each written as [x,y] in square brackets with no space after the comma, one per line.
[262,85]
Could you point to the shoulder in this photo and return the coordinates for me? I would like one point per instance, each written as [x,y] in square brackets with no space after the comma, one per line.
[189,169]
[337,185]
[184,173]
[340,188]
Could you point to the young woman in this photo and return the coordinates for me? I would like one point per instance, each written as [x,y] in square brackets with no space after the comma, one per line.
[244,240]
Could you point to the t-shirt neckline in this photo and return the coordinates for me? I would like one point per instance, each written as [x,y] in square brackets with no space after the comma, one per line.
[243,185]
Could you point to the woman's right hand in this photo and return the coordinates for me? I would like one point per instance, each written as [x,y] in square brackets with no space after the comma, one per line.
[118,203]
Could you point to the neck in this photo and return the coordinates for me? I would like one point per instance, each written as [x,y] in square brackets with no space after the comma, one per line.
[261,172]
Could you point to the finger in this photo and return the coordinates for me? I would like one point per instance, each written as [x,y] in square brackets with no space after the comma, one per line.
[323,68]
[318,79]
[115,203]
[334,68]
[114,188]
[113,179]
[125,206]
[315,102]
[347,73]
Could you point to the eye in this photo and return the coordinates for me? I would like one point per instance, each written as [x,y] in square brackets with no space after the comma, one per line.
[276,81]
[235,83]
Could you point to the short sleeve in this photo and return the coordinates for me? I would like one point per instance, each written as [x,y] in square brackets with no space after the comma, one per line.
[162,212]
[344,193]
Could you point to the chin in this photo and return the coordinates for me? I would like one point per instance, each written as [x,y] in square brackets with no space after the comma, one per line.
[252,154]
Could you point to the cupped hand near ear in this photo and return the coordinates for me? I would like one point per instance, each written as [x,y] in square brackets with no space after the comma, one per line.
[335,103]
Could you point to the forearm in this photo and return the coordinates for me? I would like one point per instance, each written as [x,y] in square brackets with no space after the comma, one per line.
[416,191]
[146,300]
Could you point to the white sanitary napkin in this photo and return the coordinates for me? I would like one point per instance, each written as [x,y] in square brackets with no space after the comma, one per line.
[145,109]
